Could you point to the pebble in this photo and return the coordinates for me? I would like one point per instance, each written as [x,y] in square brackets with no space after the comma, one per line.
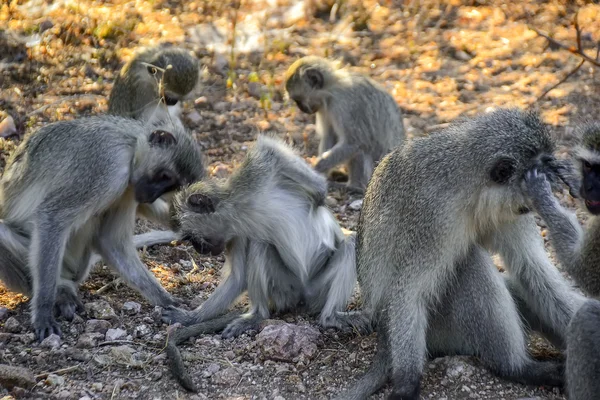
[78,354]
[229,376]
[64,394]
[115,334]
[211,370]
[100,310]
[55,380]
[97,386]
[356,205]
[52,342]
[288,342]
[132,308]
[12,325]
[89,340]
[7,127]
[141,331]
[331,201]
[97,325]
[3,313]
[16,376]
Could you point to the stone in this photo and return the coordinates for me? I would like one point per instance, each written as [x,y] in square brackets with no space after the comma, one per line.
[288,342]
[229,376]
[55,380]
[7,127]
[89,340]
[52,342]
[212,369]
[331,201]
[12,325]
[78,354]
[132,308]
[356,205]
[100,310]
[3,313]
[141,330]
[194,117]
[115,334]
[97,325]
[16,376]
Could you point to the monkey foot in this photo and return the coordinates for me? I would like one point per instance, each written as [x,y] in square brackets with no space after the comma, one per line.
[239,326]
[67,303]
[173,315]
[45,326]
[355,321]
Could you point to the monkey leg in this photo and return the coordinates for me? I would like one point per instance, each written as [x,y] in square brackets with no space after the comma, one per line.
[14,271]
[479,317]
[360,169]
[583,353]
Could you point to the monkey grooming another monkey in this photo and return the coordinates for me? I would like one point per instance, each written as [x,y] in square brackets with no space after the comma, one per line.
[151,85]
[71,189]
[579,253]
[358,122]
[434,211]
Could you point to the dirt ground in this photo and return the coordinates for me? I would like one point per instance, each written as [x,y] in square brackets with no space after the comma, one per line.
[439,59]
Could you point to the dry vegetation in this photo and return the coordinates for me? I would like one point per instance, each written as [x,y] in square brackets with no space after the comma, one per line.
[440,60]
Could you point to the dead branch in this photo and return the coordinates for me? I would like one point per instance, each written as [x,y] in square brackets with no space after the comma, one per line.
[563,80]
[573,50]
[61,371]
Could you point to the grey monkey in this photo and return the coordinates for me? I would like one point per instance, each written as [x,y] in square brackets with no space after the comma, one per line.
[149,88]
[72,189]
[434,210]
[578,253]
[357,120]
[152,84]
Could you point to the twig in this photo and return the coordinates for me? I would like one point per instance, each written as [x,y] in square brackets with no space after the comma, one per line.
[112,342]
[61,371]
[563,80]
[576,51]
[108,286]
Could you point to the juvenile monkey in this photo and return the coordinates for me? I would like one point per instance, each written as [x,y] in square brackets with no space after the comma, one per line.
[357,120]
[579,254]
[72,189]
[151,85]
[434,211]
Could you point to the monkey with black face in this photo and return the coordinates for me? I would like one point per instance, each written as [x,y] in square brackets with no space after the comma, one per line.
[423,256]
[72,189]
[357,120]
[152,84]
[578,253]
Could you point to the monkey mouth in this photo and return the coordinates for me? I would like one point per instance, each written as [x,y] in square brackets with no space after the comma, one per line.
[206,246]
[593,206]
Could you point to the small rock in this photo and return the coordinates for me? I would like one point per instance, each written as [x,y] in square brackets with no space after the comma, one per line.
[123,355]
[85,398]
[221,64]
[229,376]
[356,205]
[97,387]
[89,340]
[221,106]
[7,127]
[52,342]
[12,325]
[3,313]
[278,398]
[288,342]
[78,354]
[26,338]
[5,337]
[115,334]
[211,370]
[194,117]
[255,89]
[100,310]
[64,394]
[132,308]
[331,201]
[141,331]
[45,25]
[16,376]
[97,325]
[230,355]
[156,375]
[55,380]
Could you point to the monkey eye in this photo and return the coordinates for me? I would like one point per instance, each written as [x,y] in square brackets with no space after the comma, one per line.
[587,167]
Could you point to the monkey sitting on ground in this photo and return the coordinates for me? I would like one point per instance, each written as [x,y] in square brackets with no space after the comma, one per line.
[434,211]
[579,254]
[152,84]
[282,245]
[71,189]
[357,120]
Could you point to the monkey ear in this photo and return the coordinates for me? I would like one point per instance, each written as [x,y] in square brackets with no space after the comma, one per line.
[504,168]
[201,203]
[314,78]
[162,138]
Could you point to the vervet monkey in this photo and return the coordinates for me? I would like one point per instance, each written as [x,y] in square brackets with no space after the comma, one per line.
[71,189]
[357,120]
[579,254]
[282,245]
[434,211]
[152,84]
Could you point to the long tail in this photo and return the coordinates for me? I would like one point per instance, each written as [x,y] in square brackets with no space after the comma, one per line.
[176,362]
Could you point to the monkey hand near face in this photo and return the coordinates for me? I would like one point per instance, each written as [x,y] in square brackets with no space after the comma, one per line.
[538,187]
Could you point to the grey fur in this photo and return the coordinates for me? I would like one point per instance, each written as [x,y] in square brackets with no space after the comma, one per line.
[70,190]
[434,210]
[357,120]
[282,244]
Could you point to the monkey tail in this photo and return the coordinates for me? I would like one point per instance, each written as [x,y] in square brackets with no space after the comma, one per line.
[174,355]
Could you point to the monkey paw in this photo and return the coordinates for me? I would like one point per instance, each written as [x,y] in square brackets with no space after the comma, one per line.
[45,325]
[239,326]
[537,184]
[67,303]
[173,315]
[355,321]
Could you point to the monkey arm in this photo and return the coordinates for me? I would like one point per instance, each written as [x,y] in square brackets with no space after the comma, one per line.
[338,154]
[157,212]
[326,132]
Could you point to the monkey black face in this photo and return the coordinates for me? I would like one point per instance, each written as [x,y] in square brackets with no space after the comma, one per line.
[206,245]
[590,188]
[305,108]
[149,188]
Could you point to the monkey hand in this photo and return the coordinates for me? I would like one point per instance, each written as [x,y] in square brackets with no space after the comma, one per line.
[45,325]
[67,303]
[172,315]
[538,187]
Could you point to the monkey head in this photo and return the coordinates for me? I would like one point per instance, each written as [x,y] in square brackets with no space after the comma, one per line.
[306,82]
[200,214]
[170,160]
[588,160]
[177,73]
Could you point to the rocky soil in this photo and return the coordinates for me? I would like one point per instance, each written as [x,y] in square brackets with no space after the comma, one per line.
[440,60]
